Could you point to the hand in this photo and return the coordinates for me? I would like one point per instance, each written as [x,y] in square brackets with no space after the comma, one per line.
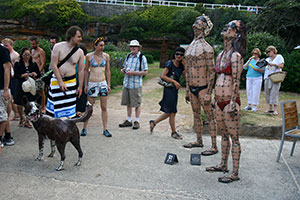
[79,91]
[177,85]
[130,73]
[25,75]
[33,74]
[108,89]
[6,95]
[123,71]
[207,99]
[86,89]
[62,86]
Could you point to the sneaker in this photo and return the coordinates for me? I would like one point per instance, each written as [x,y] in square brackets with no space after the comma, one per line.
[254,109]
[83,132]
[8,142]
[247,108]
[106,133]
[136,125]
[126,123]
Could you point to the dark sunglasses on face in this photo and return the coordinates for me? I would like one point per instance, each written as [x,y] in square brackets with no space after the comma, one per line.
[255,53]
[232,25]
[267,52]
[179,54]
[203,19]
[26,54]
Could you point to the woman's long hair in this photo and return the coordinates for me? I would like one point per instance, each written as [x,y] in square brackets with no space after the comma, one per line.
[240,42]
[22,52]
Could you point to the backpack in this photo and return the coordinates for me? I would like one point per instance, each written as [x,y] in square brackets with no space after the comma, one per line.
[140,59]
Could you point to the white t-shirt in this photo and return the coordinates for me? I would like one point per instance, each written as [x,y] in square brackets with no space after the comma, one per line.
[271,69]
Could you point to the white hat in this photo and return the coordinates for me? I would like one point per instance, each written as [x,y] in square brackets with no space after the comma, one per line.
[29,86]
[134,43]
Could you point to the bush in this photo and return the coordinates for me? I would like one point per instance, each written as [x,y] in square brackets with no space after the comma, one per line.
[117,59]
[109,46]
[292,67]
[116,77]
[149,58]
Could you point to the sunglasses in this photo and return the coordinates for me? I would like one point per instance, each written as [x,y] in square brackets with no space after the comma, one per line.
[179,54]
[98,40]
[203,19]
[255,53]
[232,25]
[268,52]
[26,54]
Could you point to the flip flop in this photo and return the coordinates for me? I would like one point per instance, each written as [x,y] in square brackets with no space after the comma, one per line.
[216,169]
[175,135]
[192,145]
[228,179]
[209,152]
[152,125]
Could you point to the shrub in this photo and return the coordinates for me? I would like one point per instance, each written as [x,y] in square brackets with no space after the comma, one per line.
[149,58]
[116,77]
[109,46]
[117,59]
[292,67]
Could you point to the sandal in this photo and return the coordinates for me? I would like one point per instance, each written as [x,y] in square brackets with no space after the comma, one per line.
[216,169]
[28,125]
[21,123]
[228,179]
[192,145]
[209,152]
[152,125]
[175,135]
[15,118]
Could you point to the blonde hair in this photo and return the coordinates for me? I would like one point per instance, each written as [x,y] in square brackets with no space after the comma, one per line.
[8,40]
[271,48]
[256,49]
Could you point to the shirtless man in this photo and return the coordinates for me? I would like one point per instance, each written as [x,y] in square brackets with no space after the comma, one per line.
[63,90]
[200,76]
[97,81]
[14,57]
[229,66]
[39,57]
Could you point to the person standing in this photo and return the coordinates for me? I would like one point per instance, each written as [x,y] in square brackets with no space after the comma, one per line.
[97,81]
[173,68]
[229,66]
[134,67]
[14,57]
[275,64]
[39,57]
[5,67]
[200,78]
[254,80]
[63,88]
[25,68]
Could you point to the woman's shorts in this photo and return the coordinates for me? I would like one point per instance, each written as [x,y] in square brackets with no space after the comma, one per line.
[97,89]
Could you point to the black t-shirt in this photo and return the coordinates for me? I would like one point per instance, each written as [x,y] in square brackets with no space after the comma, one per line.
[4,58]
[173,70]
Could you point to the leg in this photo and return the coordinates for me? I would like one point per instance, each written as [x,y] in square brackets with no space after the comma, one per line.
[138,111]
[233,127]
[157,120]
[129,111]
[198,124]
[61,149]
[52,145]
[172,122]
[41,148]
[76,144]
[294,144]
[85,124]
[104,113]
[43,106]
[20,111]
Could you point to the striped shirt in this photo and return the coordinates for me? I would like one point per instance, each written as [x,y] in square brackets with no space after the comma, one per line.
[133,63]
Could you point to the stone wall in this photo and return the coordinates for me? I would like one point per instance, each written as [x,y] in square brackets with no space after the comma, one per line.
[100,10]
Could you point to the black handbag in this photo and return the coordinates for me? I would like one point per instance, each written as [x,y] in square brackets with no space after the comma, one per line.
[47,76]
[164,83]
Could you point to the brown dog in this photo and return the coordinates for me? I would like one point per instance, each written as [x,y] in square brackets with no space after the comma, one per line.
[59,131]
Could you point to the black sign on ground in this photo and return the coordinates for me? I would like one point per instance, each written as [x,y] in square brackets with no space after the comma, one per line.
[171,159]
[195,159]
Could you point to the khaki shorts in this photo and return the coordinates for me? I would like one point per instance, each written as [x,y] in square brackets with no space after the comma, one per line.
[132,97]
[3,107]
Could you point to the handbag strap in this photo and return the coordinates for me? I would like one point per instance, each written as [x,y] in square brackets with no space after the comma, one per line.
[68,56]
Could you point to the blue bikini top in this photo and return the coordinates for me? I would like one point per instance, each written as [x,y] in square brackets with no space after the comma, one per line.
[93,62]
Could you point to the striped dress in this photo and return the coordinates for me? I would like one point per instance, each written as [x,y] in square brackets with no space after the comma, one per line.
[62,104]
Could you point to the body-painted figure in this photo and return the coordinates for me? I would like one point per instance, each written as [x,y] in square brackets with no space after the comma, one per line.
[229,66]
[199,81]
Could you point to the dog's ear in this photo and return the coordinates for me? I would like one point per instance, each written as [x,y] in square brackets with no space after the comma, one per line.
[24,100]
[39,100]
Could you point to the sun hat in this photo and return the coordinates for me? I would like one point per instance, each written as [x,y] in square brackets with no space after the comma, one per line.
[29,86]
[134,43]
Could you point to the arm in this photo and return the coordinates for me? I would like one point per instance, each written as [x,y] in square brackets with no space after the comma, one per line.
[168,79]
[107,71]
[43,60]
[81,67]
[86,73]
[245,66]
[36,71]
[144,69]
[54,62]
[236,64]
[210,74]
[6,67]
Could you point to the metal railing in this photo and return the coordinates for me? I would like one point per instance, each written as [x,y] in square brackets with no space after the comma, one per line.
[142,3]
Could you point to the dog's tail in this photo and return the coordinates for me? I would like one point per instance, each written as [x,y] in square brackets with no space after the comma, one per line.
[88,113]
